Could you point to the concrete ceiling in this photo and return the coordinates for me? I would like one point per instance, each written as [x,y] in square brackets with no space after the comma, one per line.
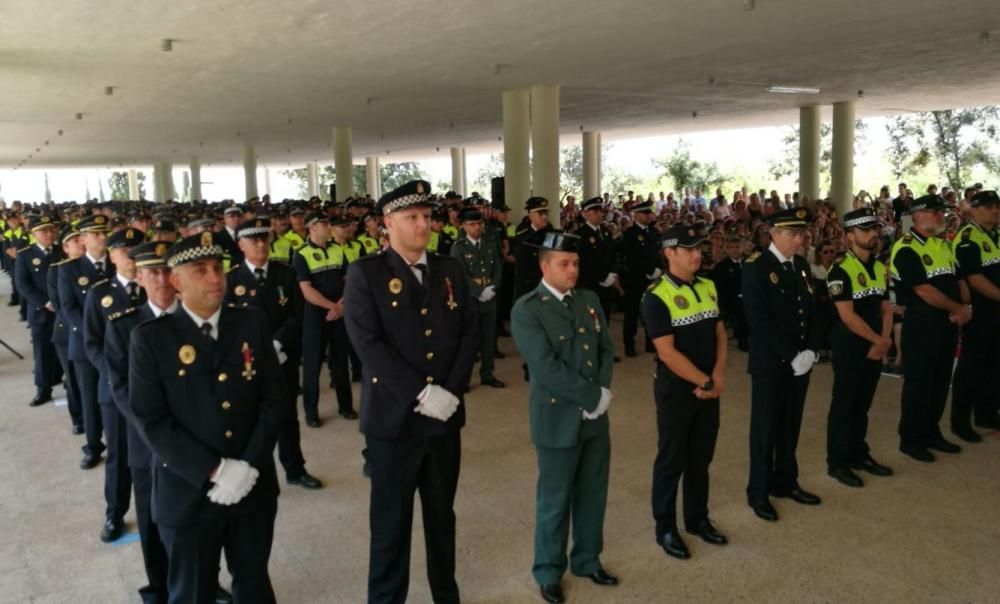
[413,75]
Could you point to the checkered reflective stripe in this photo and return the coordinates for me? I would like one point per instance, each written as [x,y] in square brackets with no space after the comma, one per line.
[862,220]
[944,270]
[402,202]
[692,319]
[195,253]
[991,261]
[252,232]
[871,291]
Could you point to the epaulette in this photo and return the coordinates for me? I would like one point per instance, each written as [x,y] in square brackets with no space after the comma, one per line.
[907,239]
[96,283]
[63,261]
[966,233]
[518,233]
[124,313]
[24,249]
[752,257]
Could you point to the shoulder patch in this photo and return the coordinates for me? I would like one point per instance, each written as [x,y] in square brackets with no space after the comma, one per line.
[118,315]
[101,282]
[752,257]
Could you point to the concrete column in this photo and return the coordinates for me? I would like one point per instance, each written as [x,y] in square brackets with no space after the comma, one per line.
[159,182]
[465,174]
[545,146]
[195,178]
[267,181]
[458,170]
[842,158]
[312,179]
[516,145]
[250,172]
[809,152]
[373,176]
[591,165]
[133,185]
[168,181]
[343,162]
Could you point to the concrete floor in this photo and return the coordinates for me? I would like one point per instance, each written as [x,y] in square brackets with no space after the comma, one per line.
[929,534]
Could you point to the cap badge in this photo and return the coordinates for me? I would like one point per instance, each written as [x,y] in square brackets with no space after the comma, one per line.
[395,285]
[206,239]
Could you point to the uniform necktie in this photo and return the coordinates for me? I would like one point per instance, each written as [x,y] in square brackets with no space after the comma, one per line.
[133,291]
[48,252]
[788,266]
[206,328]
[259,273]
[420,273]
[568,301]
[99,266]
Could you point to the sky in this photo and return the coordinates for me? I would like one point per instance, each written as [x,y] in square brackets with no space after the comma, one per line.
[745,152]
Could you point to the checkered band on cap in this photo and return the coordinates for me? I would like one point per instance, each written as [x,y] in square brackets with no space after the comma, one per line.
[196,247]
[404,202]
[253,232]
[861,221]
[669,243]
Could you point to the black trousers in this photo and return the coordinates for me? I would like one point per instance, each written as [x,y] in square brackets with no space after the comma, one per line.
[71,385]
[44,356]
[630,307]
[154,555]
[87,377]
[289,436]
[117,475]
[929,341]
[194,553]
[687,428]
[777,400]
[855,379]
[975,384]
[399,469]
[607,297]
[320,337]
[737,319]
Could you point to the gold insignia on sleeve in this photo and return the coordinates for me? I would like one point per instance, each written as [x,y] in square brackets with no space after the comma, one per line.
[836,288]
[186,354]
[239,290]
[395,285]
[83,281]
[107,301]
[774,278]
[206,239]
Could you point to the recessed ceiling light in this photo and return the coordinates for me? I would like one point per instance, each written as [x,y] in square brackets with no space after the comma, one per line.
[792,90]
[166,45]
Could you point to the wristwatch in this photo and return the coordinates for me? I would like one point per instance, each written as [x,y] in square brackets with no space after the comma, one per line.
[709,385]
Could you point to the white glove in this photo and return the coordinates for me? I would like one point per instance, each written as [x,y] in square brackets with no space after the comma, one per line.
[436,402]
[489,292]
[602,405]
[656,275]
[609,280]
[803,362]
[282,357]
[233,481]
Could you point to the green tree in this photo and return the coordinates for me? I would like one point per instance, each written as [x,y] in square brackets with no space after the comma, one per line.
[788,163]
[118,185]
[687,172]
[571,172]
[955,140]
[398,174]
[483,180]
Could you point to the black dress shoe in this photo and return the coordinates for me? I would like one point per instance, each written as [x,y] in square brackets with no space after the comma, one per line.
[313,422]
[601,577]
[918,453]
[967,434]
[89,461]
[672,543]
[708,533]
[222,596]
[40,399]
[630,353]
[77,429]
[306,481]
[552,593]
[355,378]
[873,467]
[846,477]
[618,359]
[499,355]
[112,530]
[492,382]
[944,446]
[764,509]
[349,414]
[989,423]
[800,495]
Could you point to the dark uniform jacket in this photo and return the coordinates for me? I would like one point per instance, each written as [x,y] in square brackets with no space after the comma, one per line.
[76,277]
[60,331]
[527,273]
[639,250]
[105,298]
[196,401]
[728,278]
[780,310]
[116,345]
[597,256]
[409,335]
[30,271]
[280,300]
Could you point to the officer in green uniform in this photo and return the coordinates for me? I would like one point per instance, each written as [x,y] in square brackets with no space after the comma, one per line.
[861,336]
[681,313]
[481,259]
[563,336]
[937,303]
[975,384]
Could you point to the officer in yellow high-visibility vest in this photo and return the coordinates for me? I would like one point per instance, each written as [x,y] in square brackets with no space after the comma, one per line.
[681,312]
[937,304]
[975,387]
[369,238]
[861,337]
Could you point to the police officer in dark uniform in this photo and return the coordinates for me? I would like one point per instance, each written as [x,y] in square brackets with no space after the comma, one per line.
[342,234]
[861,336]
[30,273]
[597,254]
[480,257]
[937,304]
[412,319]
[976,377]
[526,243]
[76,277]
[207,393]
[784,336]
[106,298]
[639,250]
[273,288]
[72,248]
[320,268]
[231,218]
[727,274]
[681,314]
